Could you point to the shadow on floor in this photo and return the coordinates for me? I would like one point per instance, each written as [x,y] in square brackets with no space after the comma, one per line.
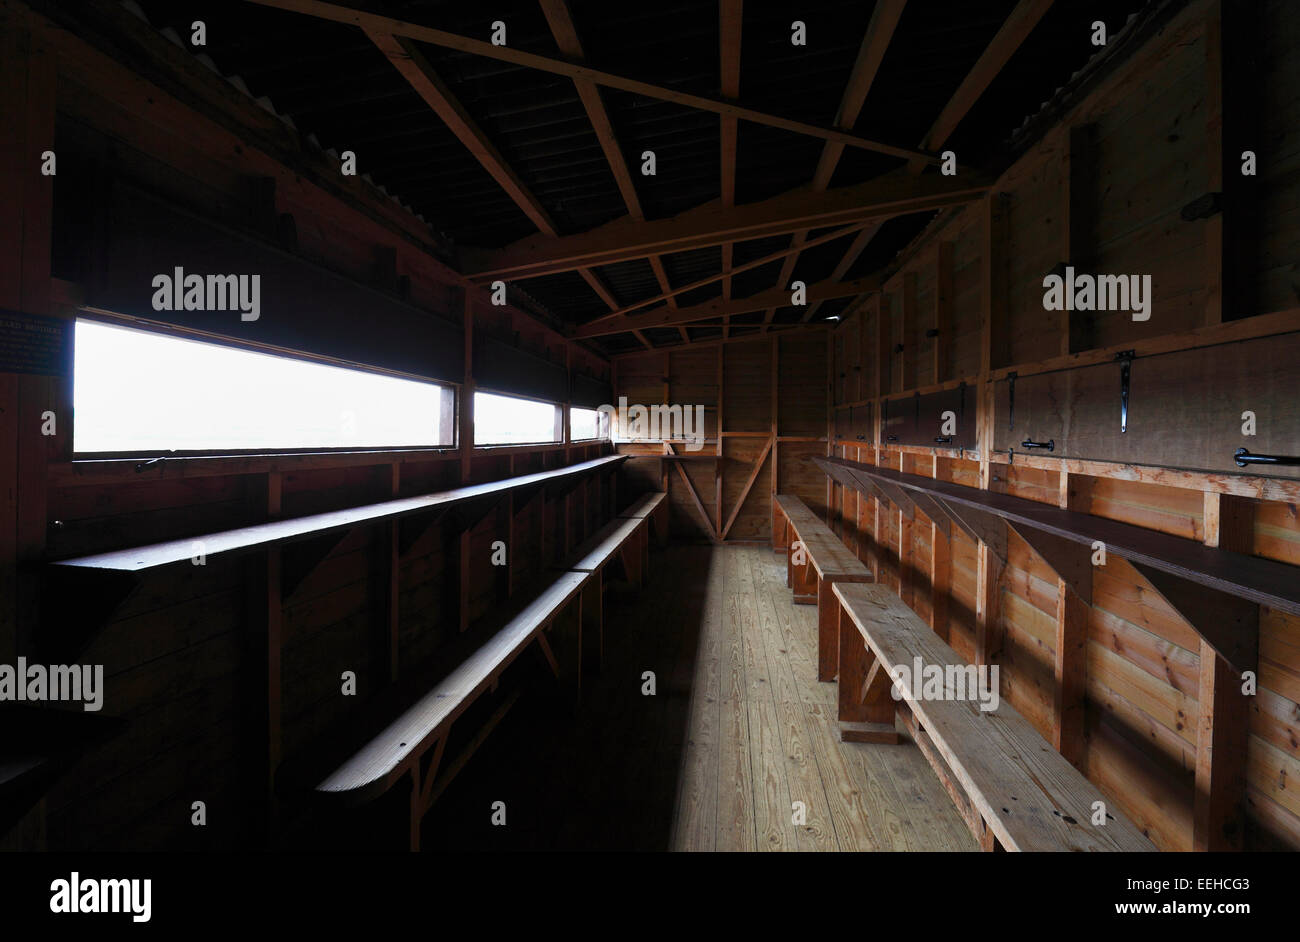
[603,775]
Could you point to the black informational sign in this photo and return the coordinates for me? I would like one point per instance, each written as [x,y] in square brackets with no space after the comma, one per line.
[34,344]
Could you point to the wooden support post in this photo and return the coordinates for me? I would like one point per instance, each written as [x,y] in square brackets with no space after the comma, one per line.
[1073,566]
[866,709]
[27,101]
[775,343]
[940,564]
[1219,811]
[943,340]
[988,598]
[394,571]
[593,620]
[717,465]
[828,629]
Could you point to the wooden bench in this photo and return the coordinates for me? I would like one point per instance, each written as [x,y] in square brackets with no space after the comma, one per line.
[413,743]
[816,560]
[624,539]
[653,507]
[1014,789]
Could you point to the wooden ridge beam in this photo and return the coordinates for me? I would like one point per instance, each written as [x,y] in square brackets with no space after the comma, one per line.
[709,224]
[466,44]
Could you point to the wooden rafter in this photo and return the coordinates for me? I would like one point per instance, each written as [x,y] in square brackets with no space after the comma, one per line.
[417,70]
[715,341]
[711,224]
[437,37]
[880,30]
[729,29]
[718,307]
[710,279]
[1000,49]
[566,37]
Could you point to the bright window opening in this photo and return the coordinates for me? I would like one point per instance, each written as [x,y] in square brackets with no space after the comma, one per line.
[505,420]
[147,392]
[587,424]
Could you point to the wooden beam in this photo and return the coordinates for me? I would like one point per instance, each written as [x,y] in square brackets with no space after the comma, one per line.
[1005,42]
[709,224]
[417,71]
[690,487]
[1003,45]
[1223,730]
[709,279]
[943,297]
[720,307]
[415,68]
[436,37]
[566,37]
[1070,560]
[749,484]
[701,344]
[729,32]
[940,562]
[880,30]
[1229,624]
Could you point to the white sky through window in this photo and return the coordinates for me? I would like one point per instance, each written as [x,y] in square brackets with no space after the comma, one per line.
[141,391]
[505,420]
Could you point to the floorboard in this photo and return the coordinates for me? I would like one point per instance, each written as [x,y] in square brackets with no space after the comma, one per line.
[738,730]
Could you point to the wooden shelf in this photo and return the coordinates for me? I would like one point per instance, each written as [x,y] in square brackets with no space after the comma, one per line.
[276,532]
[79,596]
[1175,563]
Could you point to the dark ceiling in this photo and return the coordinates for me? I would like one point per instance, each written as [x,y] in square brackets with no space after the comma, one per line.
[333,82]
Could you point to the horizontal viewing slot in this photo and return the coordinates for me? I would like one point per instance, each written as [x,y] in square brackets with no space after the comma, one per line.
[507,420]
[144,392]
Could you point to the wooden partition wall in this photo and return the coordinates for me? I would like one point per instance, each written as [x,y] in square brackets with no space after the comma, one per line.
[766,412]
[1165,733]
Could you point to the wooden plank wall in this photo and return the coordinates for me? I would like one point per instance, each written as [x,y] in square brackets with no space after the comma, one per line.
[1149,124]
[765,407]
[207,713]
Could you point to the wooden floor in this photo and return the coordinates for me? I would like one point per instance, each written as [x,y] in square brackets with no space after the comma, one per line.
[738,730]
[763,736]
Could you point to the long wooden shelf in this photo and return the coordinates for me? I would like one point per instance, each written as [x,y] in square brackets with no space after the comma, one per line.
[1262,581]
[264,535]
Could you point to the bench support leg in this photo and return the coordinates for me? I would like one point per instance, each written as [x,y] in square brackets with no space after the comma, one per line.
[828,631]
[593,618]
[805,584]
[866,709]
